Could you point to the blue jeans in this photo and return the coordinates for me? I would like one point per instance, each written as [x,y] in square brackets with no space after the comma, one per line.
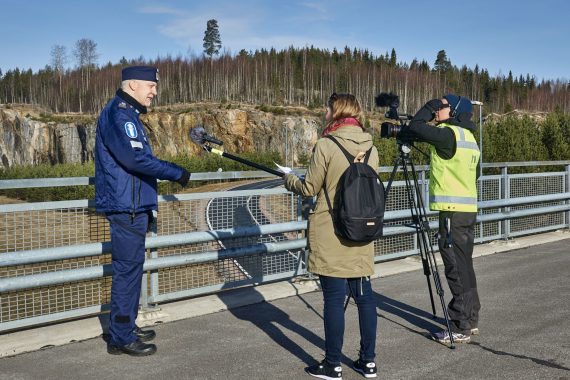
[334,293]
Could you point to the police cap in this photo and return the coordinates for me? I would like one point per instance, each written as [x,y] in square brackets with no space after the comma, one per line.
[147,73]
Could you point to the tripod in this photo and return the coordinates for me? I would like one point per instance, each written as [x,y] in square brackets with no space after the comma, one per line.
[421,224]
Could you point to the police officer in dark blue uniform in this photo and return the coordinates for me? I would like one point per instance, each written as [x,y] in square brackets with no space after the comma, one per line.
[126,175]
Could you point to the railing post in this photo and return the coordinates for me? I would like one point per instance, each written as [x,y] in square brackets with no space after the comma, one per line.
[425,200]
[301,269]
[505,194]
[480,184]
[153,288]
[567,189]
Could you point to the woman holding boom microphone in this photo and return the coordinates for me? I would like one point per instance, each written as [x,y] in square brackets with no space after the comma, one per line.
[343,266]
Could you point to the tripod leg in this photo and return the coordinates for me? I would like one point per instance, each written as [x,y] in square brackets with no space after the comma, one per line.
[419,222]
[427,273]
[426,250]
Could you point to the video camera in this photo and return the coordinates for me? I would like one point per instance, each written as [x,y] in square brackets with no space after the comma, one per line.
[393,130]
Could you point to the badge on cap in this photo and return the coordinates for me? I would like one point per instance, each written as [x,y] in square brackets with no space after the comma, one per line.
[131,130]
[157,75]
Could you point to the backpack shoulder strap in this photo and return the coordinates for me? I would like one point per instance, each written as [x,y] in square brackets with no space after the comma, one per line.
[350,159]
[368,152]
[348,156]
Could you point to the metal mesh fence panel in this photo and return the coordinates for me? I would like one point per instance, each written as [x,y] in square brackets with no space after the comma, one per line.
[224,213]
[53,299]
[27,230]
[529,185]
[488,190]
[64,226]
[397,200]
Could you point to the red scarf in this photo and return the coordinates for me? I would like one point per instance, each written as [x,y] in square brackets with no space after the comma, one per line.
[340,123]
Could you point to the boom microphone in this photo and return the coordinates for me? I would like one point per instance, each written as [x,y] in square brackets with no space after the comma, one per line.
[199,136]
[387,100]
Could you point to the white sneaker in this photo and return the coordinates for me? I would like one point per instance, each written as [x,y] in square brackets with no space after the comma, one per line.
[443,337]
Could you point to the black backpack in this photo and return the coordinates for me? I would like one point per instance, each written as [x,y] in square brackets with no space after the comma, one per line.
[359,215]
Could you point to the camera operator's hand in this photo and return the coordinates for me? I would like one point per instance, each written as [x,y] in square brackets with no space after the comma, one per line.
[427,112]
[434,105]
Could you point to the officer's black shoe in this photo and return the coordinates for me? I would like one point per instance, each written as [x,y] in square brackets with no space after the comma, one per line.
[144,335]
[137,348]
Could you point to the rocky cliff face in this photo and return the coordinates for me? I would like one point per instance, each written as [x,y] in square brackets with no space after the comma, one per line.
[26,139]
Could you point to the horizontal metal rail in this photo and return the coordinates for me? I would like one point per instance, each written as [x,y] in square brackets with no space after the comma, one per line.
[37,206]
[59,277]
[72,275]
[94,249]
[557,203]
[212,176]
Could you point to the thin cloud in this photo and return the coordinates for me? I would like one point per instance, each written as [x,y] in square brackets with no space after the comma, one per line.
[322,12]
[245,30]
[161,10]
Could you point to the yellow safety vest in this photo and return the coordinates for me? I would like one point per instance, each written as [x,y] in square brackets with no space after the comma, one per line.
[453,182]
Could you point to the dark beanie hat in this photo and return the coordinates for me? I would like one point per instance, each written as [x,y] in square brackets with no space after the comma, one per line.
[459,104]
[148,73]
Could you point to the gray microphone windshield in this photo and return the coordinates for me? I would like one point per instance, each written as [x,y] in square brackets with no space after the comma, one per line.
[197,134]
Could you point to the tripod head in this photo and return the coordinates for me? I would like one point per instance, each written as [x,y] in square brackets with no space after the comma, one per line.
[404,148]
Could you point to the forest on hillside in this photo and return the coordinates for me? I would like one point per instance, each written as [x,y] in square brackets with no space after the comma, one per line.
[293,76]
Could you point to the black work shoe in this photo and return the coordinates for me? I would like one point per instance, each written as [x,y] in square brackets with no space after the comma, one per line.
[326,371]
[137,348]
[368,369]
[144,335]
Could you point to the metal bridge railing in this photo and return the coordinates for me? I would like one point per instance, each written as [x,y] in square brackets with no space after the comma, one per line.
[55,256]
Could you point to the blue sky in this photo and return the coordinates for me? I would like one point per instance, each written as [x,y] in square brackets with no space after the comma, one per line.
[501,35]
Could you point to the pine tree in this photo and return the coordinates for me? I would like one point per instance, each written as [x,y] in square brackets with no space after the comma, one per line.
[212,40]
[393,59]
[442,64]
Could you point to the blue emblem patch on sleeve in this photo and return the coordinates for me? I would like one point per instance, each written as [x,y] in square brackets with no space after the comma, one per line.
[131,130]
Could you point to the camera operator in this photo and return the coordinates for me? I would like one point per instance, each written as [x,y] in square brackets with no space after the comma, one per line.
[453,192]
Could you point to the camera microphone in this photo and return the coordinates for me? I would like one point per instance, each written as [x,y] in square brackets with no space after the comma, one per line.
[387,100]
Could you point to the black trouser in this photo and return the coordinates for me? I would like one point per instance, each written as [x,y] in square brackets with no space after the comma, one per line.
[458,261]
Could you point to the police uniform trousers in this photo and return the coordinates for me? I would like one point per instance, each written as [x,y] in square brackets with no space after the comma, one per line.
[458,261]
[128,254]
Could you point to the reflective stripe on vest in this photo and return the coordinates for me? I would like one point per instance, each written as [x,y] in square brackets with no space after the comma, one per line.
[453,182]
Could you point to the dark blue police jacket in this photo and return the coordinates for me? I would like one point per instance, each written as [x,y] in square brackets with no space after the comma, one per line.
[125,168]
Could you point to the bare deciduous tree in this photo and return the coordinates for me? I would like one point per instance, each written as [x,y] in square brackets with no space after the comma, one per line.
[85,53]
[58,58]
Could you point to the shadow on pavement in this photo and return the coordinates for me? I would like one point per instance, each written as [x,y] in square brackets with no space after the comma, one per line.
[269,318]
[547,363]
[421,319]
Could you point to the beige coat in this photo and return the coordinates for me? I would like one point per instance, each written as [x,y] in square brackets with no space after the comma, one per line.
[329,254]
